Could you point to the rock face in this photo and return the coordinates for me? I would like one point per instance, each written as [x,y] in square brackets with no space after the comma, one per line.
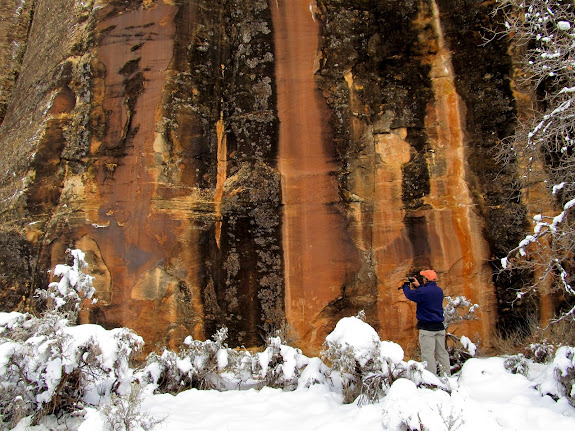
[257,164]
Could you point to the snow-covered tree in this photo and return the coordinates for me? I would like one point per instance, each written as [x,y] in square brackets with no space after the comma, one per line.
[543,147]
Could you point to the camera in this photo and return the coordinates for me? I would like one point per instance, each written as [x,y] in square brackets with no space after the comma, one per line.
[404,285]
[407,283]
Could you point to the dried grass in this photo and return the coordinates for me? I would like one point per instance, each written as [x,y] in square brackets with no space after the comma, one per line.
[557,334]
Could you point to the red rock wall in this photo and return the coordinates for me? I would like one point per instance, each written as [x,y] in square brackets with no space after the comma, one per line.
[319,255]
[256,164]
[408,200]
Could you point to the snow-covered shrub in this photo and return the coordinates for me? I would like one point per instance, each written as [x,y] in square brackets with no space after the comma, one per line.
[517,364]
[285,367]
[163,372]
[75,286]
[409,408]
[207,358]
[541,352]
[197,365]
[168,372]
[564,372]
[315,372]
[235,368]
[352,350]
[559,378]
[458,309]
[48,366]
[280,366]
[376,385]
[211,364]
[364,365]
[124,413]
[460,349]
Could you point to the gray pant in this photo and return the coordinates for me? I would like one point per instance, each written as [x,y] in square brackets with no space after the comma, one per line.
[432,343]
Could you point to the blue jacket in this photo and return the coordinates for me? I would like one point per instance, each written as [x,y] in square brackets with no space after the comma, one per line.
[429,300]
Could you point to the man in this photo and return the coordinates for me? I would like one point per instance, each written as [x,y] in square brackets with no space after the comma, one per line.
[429,300]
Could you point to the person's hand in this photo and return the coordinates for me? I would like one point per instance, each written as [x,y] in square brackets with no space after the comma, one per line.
[414,281]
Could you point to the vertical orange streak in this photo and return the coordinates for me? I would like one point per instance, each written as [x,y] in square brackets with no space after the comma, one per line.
[450,125]
[315,243]
[463,251]
[221,175]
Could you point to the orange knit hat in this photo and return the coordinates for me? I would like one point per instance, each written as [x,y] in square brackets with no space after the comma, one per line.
[430,274]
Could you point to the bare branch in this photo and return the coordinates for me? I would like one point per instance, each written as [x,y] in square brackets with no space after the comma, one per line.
[544,147]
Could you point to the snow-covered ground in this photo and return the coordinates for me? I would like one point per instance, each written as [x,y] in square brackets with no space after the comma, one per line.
[487,397]
[484,395]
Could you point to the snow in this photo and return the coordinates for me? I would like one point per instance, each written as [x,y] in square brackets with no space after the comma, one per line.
[486,396]
[564,25]
[483,395]
[405,404]
[569,204]
[392,351]
[315,408]
[468,345]
[498,400]
[222,358]
[8,320]
[355,333]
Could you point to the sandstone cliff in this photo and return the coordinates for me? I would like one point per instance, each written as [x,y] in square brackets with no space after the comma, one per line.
[256,164]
